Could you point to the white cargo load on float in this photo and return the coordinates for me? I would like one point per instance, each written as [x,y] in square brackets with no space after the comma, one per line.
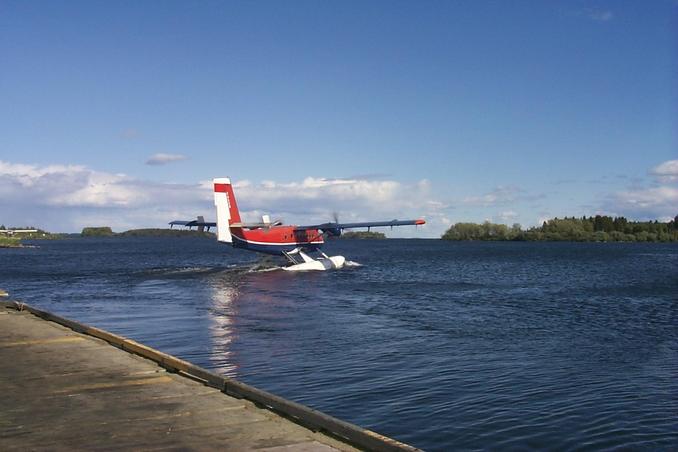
[324,263]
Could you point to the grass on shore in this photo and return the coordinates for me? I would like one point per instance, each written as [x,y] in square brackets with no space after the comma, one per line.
[9,242]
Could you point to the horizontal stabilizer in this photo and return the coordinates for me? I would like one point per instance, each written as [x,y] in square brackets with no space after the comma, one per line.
[192,223]
[256,225]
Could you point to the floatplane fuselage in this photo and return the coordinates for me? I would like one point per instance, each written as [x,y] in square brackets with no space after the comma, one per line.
[295,243]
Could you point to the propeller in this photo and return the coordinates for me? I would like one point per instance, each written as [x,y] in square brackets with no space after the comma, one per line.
[335,232]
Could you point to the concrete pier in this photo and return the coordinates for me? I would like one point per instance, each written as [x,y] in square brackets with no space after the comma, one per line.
[65,385]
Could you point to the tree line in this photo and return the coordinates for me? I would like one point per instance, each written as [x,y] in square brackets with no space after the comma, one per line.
[106,231]
[599,228]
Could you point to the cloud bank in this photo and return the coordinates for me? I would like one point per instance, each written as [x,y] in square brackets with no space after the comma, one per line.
[659,201]
[666,172]
[655,203]
[66,198]
[69,197]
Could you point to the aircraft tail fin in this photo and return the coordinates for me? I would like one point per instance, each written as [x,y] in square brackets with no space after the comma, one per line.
[227,208]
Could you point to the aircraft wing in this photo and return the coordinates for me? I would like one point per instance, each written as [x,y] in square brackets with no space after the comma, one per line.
[368,224]
[192,223]
[233,225]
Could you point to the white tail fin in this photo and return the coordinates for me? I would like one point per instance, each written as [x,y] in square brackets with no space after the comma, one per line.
[221,201]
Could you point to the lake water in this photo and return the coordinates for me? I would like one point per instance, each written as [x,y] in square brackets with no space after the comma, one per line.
[465,345]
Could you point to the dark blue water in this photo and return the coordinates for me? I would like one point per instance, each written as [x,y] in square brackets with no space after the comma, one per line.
[466,345]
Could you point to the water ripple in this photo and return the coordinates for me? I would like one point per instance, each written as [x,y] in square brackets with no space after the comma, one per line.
[470,346]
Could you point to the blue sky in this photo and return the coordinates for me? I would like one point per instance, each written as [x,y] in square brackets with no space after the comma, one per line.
[119,112]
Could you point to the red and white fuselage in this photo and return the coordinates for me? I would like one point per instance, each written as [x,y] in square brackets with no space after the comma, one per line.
[261,237]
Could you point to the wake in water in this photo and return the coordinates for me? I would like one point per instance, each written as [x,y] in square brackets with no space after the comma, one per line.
[181,271]
[263,265]
[190,272]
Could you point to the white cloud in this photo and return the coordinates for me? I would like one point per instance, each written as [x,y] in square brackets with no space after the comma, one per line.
[595,14]
[316,192]
[646,203]
[657,200]
[315,200]
[507,216]
[667,171]
[600,15]
[65,197]
[163,159]
[78,186]
[69,197]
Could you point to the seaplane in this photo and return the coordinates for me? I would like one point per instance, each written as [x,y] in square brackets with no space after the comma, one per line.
[300,245]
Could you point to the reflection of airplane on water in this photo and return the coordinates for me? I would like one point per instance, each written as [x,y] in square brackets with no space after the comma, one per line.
[293,242]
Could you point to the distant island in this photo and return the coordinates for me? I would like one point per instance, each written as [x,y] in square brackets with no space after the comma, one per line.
[599,228]
[102,231]
[363,235]
[106,231]
[158,232]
